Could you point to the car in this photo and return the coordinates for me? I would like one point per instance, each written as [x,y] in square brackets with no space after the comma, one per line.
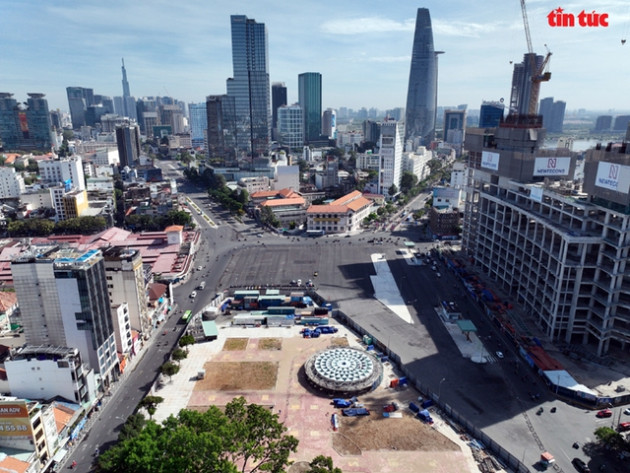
[604,413]
[294,282]
[580,466]
[438,275]
[299,282]
[309,283]
[193,294]
[500,355]
[624,426]
[259,235]
[434,268]
[315,274]
[199,268]
[627,411]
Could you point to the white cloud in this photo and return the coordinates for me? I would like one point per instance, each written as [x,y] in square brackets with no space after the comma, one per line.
[365,25]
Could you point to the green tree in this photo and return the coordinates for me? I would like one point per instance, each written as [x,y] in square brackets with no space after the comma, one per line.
[150,403]
[186,340]
[322,464]
[393,190]
[408,181]
[169,369]
[267,217]
[259,442]
[609,437]
[179,354]
[132,427]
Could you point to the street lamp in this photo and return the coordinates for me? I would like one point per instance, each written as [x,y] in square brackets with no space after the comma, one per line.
[440,387]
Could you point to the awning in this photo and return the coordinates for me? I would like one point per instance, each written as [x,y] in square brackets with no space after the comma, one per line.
[60,455]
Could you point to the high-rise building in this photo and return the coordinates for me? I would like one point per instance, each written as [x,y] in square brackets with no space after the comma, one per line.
[491,114]
[603,123]
[126,284]
[290,126]
[544,109]
[278,99]
[79,99]
[310,99]
[249,85]
[128,141]
[329,123]
[371,131]
[552,113]
[125,82]
[11,183]
[621,123]
[522,83]
[423,76]
[221,126]
[391,156]
[173,116]
[454,126]
[25,127]
[70,307]
[198,123]
[557,116]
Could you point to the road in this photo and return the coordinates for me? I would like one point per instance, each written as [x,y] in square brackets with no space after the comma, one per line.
[496,397]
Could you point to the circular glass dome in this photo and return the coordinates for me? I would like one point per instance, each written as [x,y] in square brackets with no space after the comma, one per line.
[343,370]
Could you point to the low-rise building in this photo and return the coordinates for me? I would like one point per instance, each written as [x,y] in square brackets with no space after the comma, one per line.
[344,215]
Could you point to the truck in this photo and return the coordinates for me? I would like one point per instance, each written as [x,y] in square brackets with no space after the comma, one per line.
[355,412]
[425,416]
[327,329]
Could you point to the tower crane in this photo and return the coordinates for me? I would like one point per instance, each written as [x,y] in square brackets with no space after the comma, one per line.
[538,73]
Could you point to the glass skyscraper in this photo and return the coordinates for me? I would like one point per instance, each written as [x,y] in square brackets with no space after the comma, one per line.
[25,127]
[310,99]
[422,91]
[250,84]
[198,123]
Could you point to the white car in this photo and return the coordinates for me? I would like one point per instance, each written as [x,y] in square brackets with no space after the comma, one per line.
[438,275]
[500,355]
[199,268]
[193,294]
[627,411]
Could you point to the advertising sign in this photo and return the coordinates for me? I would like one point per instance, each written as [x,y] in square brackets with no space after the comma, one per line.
[552,166]
[490,160]
[615,177]
[14,420]
[536,193]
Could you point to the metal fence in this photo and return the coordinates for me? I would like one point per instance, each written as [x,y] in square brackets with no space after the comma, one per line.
[509,461]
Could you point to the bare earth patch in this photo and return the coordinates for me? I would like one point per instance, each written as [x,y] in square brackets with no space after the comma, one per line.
[270,344]
[235,344]
[373,432]
[238,376]
[339,342]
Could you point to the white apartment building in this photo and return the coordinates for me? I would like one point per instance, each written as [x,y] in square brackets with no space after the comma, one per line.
[64,169]
[122,328]
[417,162]
[43,372]
[287,177]
[390,152]
[11,183]
[291,126]
[254,184]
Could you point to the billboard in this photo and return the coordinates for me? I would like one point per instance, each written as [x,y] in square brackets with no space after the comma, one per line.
[536,193]
[490,160]
[615,177]
[552,166]
[14,420]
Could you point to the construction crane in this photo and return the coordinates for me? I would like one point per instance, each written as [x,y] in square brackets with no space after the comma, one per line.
[538,73]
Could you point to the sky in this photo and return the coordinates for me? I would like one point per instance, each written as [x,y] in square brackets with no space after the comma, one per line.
[362,48]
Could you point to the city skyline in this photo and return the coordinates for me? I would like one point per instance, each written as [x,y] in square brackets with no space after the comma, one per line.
[363,50]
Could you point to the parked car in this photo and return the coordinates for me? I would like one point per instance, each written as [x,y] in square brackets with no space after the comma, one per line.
[355,411]
[500,354]
[580,466]
[624,427]
[627,411]
[604,413]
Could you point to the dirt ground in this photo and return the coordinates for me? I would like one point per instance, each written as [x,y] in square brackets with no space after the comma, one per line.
[374,432]
[238,376]
[234,344]
[270,344]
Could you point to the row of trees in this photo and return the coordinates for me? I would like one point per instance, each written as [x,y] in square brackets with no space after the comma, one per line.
[241,438]
[142,222]
[45,227]
[233,200]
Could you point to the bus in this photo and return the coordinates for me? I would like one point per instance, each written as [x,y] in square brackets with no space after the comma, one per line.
[186,316]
